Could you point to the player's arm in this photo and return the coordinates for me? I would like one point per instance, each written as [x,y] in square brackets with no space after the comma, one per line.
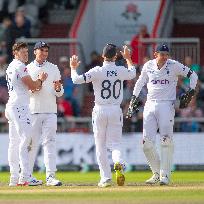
[134,102]
[185,98]
[34,85]
[80,79]
[130,73]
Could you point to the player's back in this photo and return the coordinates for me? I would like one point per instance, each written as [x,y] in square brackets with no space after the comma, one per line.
[108,83]
[18,92]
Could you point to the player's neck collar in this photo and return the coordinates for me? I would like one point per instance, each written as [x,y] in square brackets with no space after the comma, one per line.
[108,62]
[39,65]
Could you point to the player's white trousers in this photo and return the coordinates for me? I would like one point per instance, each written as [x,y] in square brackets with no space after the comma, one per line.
[107,123]
[158,115]
[44,127]
[19,119]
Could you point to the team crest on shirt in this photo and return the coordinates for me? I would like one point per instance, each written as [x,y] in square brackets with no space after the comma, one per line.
[151,71]
[88,76]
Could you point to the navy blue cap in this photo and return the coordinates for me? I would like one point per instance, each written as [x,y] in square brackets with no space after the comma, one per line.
[162,48]
[110,50]
[40,44]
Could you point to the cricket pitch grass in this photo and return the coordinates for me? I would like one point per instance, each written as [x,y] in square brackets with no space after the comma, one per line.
[81,188]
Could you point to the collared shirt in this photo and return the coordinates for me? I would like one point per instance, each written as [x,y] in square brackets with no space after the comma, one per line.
[44,100]
[18,92]
[161,83]
[107,82]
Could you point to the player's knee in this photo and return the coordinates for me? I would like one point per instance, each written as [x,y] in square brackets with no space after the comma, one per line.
[166,140]
[147,144]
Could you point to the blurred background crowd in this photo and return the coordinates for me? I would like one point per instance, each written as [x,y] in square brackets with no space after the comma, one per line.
[30,18]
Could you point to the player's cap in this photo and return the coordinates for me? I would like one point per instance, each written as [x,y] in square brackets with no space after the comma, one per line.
[109,50]
[162,48]
[41,44]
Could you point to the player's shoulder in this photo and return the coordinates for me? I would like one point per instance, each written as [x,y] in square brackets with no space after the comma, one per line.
[149,64]
[96,69]
[172,62]
[50,64]
[18,65]
[30,65]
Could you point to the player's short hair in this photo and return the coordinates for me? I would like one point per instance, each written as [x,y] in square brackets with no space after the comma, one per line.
[110,51]
[19,45]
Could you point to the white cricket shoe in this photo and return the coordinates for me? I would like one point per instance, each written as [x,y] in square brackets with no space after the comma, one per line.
[13,181]
[34,182]
[164,180]
[52,181]
[153,180]
[105,184]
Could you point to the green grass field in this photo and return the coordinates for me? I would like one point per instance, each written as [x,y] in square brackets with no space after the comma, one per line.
[81,188]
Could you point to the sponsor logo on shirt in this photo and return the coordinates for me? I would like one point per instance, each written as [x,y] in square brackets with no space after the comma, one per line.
[160,81]
[25,69]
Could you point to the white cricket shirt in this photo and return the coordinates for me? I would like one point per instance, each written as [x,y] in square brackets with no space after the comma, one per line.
[161,83]
[107,82]
[44,101]
[18,91]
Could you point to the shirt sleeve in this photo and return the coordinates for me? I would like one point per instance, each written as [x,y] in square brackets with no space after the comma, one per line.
[58,78]
[182,70]
[143,79]
[22,70]
[128,74]
[87,77]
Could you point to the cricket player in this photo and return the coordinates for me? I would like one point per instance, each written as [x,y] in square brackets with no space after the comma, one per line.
[17,112]
[107,117]
[161,76]
[44,111]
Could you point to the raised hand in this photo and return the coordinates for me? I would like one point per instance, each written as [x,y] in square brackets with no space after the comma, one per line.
[74,62]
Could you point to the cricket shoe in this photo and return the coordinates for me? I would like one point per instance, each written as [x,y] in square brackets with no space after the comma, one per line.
[164,180]
[34,182]
[120,178]
[52,181]
[13,181]
[153,180]
[23,181]
[105,184]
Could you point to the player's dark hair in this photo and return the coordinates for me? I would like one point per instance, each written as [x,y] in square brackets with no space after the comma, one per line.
[19,45]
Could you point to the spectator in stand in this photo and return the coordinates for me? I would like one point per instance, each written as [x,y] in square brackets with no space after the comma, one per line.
[188,61]
[63,64]
[191,111]
[26,22]
[16,30]
[120,61]
[70,90]
[139,50]
[7,8]
[64,108]
[3,83]
[6,23]
[96,60]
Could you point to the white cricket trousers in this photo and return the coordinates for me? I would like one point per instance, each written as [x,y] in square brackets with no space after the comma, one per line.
[158,115]
[44,127]
[107,123]
[19,119]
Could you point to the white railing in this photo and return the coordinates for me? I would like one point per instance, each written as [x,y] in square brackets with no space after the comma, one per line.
[179,48]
